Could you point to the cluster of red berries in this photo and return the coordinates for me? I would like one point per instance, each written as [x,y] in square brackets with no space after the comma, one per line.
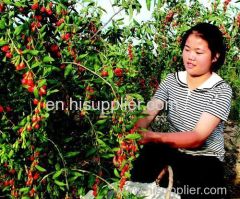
[130,53]
[118,72]
[226,2]
[169,17]
[6,50]
[128,149]
[142,83]
[7,108]
[96,183]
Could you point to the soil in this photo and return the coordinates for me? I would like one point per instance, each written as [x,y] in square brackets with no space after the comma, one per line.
[232,158]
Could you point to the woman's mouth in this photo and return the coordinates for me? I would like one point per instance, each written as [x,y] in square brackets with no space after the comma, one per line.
[190,65]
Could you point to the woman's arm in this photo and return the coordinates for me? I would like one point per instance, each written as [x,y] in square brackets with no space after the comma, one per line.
[189,139]
[153,108]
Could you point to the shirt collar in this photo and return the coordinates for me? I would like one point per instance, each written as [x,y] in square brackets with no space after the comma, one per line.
[211,82]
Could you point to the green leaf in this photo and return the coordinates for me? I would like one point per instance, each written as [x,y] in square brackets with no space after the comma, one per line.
[2,23]
[32,52]
[134,136]
[35,92]
[52,91]
[90,152]
[68,70]
[57,174]
[19,174]
[41,169]
[101,122]
[24,190]
[47,59]
[72,154]
[148,3]
[116,173]
[59,183]
[2,42]
[18,30]
[42,82]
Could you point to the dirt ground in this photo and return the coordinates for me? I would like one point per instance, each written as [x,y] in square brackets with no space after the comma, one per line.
[232,158]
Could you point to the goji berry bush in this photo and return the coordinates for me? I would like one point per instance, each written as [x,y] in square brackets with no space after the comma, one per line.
[56,55]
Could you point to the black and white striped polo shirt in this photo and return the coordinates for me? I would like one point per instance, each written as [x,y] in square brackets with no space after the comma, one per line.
[185,106]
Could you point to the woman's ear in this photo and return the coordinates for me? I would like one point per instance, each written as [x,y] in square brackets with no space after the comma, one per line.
[215,57]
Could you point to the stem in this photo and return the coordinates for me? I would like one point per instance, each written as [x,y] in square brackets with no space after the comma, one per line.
[100,29]
[85,171]
[64,163]
[94,74]
[18,51]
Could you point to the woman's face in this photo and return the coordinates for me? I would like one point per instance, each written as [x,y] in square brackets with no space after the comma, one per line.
[197,57]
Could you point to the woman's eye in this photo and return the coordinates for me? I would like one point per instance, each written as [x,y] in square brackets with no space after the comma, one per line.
[199,53]
[186,49]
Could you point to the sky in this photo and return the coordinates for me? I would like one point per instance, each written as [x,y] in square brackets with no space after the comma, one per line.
[144,15]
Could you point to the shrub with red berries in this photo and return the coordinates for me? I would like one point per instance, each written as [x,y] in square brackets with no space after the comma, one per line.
[58,62]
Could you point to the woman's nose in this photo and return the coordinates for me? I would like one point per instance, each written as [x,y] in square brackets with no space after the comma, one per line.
[192,56]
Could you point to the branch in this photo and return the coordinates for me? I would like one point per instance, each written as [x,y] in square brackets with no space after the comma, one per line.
[100,29]
[94,74]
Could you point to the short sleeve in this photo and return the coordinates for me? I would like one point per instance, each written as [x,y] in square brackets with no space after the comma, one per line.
[162,91]
[220,103]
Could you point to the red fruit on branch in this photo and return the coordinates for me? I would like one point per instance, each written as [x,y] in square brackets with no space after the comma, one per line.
[36,126]
[59,22]
[1,109]
[66,36]
[5,48]
[29,128]
[2,7]
[43,9]
[35,101]
[20,66]
[36,176]
[54,47]
[104,73]
[9,55]
[8,109]
[34,6]
[38,17]
[49,11]
[31,89]
[32,192]
[118,72]
[42,91]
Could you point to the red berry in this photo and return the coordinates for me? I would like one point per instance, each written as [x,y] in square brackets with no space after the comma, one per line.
[118,72]
[49,11]
[29,128]
[8,109]
[35,101]
[54,47]
[36,176]
[9,55]
[31,89]
[5,48]
[43,9]
[30,82]
[1,109]
[42,91]
[2,7]
[36,126]
[104,74]
[37,111]
[34,6]
[24,81]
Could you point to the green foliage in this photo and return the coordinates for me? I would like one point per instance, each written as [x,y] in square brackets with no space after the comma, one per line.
[52,52]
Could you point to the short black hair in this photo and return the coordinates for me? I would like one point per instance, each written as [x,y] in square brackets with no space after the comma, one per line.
[213,36]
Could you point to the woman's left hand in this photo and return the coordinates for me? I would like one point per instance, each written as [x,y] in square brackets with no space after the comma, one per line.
[147,136]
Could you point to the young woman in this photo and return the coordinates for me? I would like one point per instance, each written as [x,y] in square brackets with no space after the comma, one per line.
[198,102]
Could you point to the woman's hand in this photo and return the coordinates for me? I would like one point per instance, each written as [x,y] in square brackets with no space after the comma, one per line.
[147,136]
